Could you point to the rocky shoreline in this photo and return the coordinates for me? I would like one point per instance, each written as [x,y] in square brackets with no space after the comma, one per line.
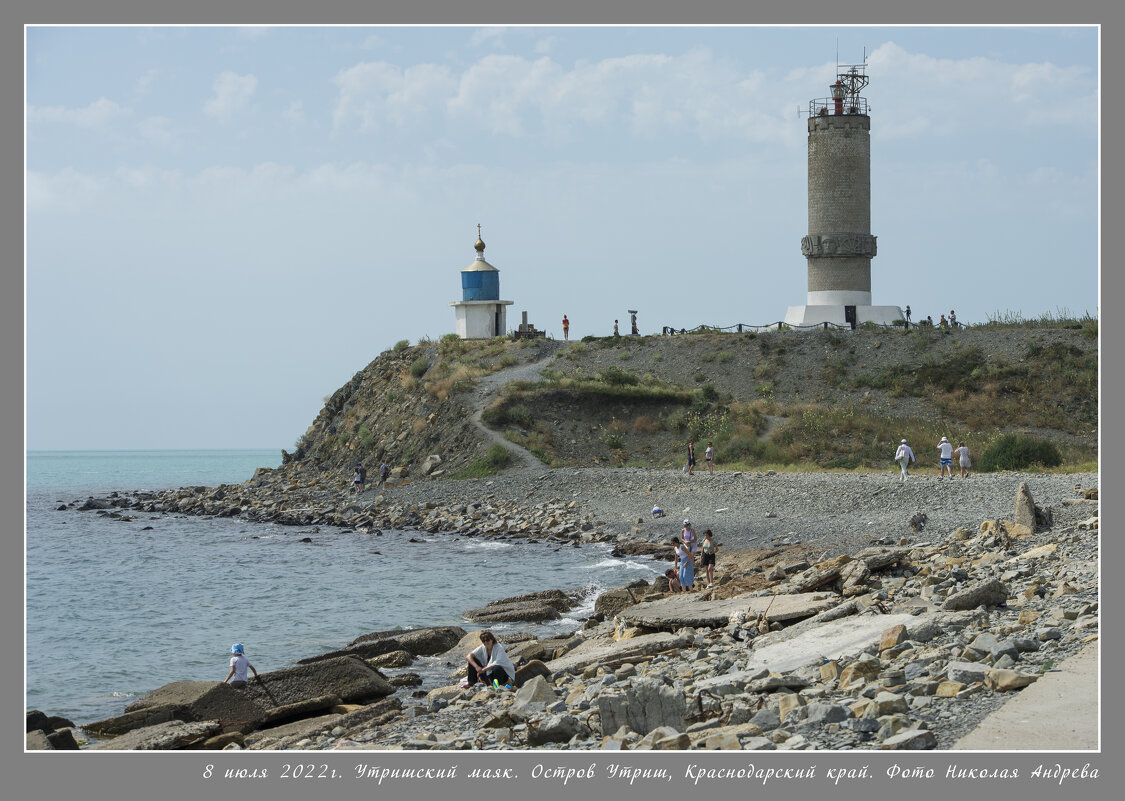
[850,611]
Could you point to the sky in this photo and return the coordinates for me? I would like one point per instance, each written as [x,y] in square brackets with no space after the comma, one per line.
[223,225]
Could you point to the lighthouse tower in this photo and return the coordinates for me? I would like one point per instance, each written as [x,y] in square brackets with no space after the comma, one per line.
[839,246]
[480,312]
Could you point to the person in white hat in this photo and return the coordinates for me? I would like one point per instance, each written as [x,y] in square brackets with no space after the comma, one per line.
[905,457]
[946,458]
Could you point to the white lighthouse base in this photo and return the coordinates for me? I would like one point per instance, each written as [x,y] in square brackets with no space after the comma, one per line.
[804,316]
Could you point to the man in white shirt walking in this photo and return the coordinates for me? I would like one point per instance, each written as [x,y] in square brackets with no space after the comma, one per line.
[905,457]
[946,458]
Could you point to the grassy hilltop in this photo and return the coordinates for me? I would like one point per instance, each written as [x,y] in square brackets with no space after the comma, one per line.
[781,399]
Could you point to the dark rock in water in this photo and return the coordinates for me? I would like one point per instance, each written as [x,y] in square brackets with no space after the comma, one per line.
[95,503]
[519,612]
[61,508]
[427,641]
[305,539]
[418,642]
[641,548]
[147,528]
[533,607]
[63,740]
[405,680]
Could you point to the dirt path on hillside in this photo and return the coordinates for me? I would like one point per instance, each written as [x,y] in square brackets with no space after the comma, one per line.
[486,390]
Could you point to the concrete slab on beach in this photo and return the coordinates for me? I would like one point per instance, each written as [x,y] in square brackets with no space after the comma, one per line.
[676,611]
[1059,712]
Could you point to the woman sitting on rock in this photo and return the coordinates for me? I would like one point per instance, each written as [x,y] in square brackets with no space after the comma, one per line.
[489,664]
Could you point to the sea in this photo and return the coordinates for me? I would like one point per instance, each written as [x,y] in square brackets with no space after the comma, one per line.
[115,609]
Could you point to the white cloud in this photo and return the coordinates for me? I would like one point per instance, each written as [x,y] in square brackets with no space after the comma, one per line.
[644,94]
[145,83]
[958,96]
[294,113]
[252,32]
[487,36]
[377,94]
[95,115]
[232,93]
[158,130]
[64,191]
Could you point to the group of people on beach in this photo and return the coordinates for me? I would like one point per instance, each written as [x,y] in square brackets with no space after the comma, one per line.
[904,456]
[359,476]
[708,457]
[681,577]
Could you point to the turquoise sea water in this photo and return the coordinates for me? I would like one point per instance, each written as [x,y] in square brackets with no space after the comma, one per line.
[118,608]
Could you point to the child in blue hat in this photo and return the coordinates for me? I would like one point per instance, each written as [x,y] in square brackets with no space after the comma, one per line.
[238,665]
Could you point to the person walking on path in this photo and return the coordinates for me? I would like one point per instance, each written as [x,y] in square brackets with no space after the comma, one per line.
[616,333]
[946,458]
[707,560]
[907,315]
[566,329]
[685,567]
[384,473]
[359,477]
[690,456]
[709,457]
[963,459]
[905,457]
[489,663]
[690,538]
[952,319]
[238,666]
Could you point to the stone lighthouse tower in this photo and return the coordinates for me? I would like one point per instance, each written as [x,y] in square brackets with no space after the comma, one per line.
[839,246]
[480,312]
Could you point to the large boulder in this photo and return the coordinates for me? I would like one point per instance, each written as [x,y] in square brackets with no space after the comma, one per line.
[611,602]
[647,705]
[1025,507]
[187,701]
[513,612]
[350,679]
[992,592]
[428,641]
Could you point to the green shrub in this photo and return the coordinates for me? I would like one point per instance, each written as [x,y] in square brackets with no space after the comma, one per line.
[724,356]
[1016,452]
[402,345]
[616,377]
[699,378]
[498,456]
[419,366]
